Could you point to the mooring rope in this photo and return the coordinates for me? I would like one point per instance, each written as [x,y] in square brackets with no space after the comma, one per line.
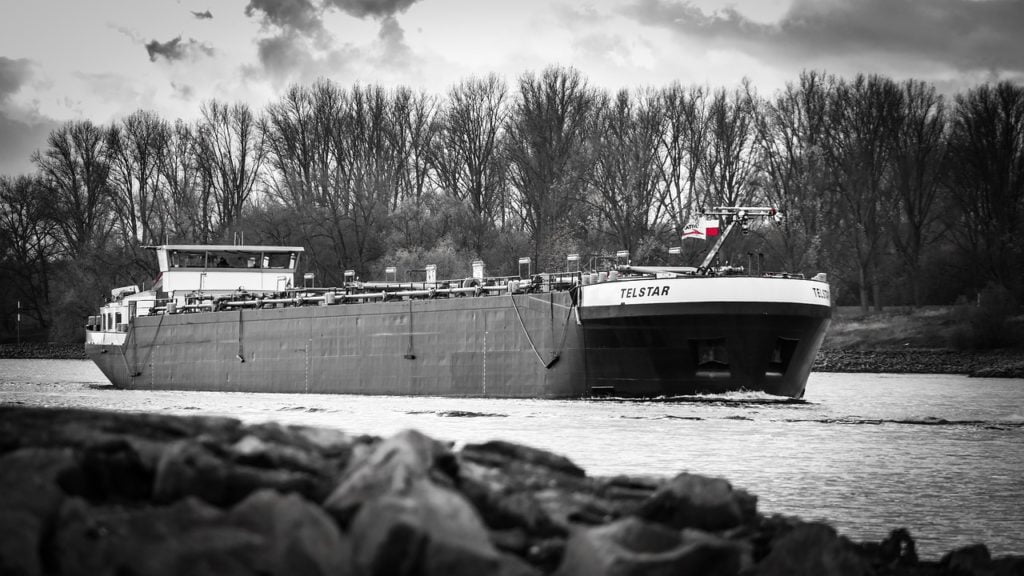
[149,352]
[565,331]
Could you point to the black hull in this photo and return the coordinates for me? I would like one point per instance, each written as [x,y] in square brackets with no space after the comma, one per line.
[662,351]
[535,346]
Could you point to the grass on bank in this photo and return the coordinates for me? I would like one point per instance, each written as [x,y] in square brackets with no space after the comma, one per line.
[960,327]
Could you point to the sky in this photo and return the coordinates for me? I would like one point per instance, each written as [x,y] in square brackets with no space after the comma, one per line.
[100,60]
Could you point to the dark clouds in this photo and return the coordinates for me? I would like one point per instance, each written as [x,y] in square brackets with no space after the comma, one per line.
[967,35]
[371,8]
[392,39]
[21,130]
[300,48]
[203,15]
[283,55]
[290,17]
[175,49]
[13,74]
[19,138]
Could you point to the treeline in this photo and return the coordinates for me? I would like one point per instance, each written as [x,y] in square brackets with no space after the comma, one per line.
[901,195]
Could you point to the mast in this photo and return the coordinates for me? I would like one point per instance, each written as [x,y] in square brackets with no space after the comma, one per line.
[734,215]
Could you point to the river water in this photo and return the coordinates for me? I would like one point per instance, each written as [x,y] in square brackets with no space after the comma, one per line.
[940,455]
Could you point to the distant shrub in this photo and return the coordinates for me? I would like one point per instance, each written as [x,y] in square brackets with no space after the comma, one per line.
[989,324]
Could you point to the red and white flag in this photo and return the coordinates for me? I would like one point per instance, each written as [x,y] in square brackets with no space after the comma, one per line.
[709,226]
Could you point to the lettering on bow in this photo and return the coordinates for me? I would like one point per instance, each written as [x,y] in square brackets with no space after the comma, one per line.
[644,291]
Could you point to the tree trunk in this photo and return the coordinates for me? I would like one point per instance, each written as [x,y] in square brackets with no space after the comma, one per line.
[863,289]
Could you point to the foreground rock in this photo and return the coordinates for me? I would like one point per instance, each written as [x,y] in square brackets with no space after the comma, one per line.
[96,493]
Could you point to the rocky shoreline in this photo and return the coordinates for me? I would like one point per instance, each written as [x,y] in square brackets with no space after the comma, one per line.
[43,351]
[990,364]
[94,492]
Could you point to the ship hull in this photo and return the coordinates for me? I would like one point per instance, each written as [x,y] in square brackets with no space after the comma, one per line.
[547,345]
[758,347]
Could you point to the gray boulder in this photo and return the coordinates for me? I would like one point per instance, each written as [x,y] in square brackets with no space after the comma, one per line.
[813,549]
[634,547]
[188,537]
[300,537]
[694,501]
[29,500]
[400,506]
[190,468]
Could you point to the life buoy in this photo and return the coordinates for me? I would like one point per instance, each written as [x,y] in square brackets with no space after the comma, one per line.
[471,283]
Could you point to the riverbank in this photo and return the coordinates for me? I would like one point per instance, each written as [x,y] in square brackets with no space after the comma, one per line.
[986,364]
[925,340]
[97,492]
[43,351]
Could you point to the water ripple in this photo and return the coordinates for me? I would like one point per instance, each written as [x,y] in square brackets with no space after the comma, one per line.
[926,421]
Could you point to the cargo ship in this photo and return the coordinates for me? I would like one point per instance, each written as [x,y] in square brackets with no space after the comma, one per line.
[237,318]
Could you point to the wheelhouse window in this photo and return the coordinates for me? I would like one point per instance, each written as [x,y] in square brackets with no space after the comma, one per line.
[233,259]
[186,259]
[279,260]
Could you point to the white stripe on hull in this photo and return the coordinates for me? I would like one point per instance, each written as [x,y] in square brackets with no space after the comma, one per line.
[706,289]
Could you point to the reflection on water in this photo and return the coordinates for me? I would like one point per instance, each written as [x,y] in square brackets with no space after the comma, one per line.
[940,455]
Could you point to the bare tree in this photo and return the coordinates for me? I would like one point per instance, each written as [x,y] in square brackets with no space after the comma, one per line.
[412,133]
[304,174]
[369,172]
[683,148]
[919,161]
[790,132]
[75,176]
[467,159]
[133,151]
[547,137]
[231,156]
[186,195]
[27,248]
[626,174]
[864,120]
[987,175]
[727,167]
[297,132]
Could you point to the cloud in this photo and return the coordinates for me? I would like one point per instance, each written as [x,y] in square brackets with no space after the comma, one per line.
[371,8]
[298,16]
[298,47]
[966,35]
[183,91]
[175,49]
[283,56]
[306,16]
[19,138]
[392,38]
[13,74]
[22,131]
[203,15]
[127,32]
[286,58]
